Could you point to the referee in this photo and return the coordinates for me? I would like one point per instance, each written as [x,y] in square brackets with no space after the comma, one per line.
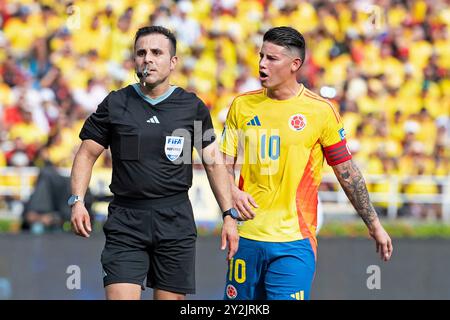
[151,128]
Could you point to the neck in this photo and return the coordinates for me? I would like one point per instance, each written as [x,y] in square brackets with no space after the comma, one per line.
[156,90]
[284,91]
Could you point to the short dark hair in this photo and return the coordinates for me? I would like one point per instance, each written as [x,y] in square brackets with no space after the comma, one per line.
[287,37]
[161,30]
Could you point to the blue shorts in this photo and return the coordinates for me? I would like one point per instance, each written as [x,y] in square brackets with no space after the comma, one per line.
[271,271]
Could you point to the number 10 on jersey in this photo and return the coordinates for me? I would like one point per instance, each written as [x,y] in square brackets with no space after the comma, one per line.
[270,147]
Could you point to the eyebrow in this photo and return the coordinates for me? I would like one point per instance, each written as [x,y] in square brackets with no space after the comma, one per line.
[154,50]
[269,54]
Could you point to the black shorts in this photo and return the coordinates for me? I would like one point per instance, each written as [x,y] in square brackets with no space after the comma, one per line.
[153,239]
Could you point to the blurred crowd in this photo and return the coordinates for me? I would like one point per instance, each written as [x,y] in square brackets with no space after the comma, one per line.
[385,64]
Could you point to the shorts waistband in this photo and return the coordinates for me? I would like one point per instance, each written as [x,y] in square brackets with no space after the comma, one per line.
[144,204]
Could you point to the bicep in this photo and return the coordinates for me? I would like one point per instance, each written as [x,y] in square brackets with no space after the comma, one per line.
[91,148]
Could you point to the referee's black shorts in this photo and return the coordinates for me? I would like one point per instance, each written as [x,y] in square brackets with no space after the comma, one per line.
[153,239]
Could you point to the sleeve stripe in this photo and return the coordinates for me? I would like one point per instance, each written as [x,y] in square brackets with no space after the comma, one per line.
[246,94]
[340,154]
[339,157]
[336,146]
[337,153]
[340,160]
[337,150]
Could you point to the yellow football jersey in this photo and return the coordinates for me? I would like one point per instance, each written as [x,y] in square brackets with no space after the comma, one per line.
[281,145]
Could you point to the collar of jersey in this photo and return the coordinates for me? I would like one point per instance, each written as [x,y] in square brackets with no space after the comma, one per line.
[161,98]
[298,95]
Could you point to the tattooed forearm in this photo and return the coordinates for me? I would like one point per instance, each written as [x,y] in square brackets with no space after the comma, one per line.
[355,188]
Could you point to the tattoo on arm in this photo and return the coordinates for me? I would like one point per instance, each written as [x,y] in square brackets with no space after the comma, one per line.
[355,188]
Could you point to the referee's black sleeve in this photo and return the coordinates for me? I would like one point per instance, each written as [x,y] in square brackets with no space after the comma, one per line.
[206,136]
[97,126]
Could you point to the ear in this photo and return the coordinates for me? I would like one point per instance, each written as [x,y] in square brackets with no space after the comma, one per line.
[173,62]
[296,64]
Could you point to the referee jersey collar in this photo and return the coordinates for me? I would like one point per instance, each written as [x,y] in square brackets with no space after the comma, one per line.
[152,101]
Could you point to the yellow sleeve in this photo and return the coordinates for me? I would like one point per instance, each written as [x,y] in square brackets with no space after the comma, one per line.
[333,138]
[229,140]
[332,132]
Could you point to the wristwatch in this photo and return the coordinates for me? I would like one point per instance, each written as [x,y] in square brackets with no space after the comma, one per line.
[74,199]
[231,212]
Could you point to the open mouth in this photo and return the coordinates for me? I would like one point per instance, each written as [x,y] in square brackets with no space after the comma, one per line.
[147,72]
[263,76]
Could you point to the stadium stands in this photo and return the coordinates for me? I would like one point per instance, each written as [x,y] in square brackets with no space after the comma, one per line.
[384,64]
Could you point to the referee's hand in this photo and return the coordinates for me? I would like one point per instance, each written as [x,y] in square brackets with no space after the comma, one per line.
[81,222]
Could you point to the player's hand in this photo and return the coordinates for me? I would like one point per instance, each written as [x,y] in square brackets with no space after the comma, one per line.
[244,203]
[81,222]
[230,236]
[382,241]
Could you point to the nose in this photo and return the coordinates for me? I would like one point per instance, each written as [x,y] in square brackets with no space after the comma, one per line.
[148,58]
[262,63]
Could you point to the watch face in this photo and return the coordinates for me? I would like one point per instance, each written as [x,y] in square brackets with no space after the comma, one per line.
[72,200]
[234,213]
[231,212]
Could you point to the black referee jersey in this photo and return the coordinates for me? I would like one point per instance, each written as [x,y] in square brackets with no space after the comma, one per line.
[151,140]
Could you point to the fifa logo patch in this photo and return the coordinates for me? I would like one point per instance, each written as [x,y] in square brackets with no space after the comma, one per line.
[297,122]
[231,292]
[173,147]
[342,133]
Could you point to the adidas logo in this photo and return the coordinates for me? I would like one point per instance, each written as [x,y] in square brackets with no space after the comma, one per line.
[298,295]
[254,122]
[153,119]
